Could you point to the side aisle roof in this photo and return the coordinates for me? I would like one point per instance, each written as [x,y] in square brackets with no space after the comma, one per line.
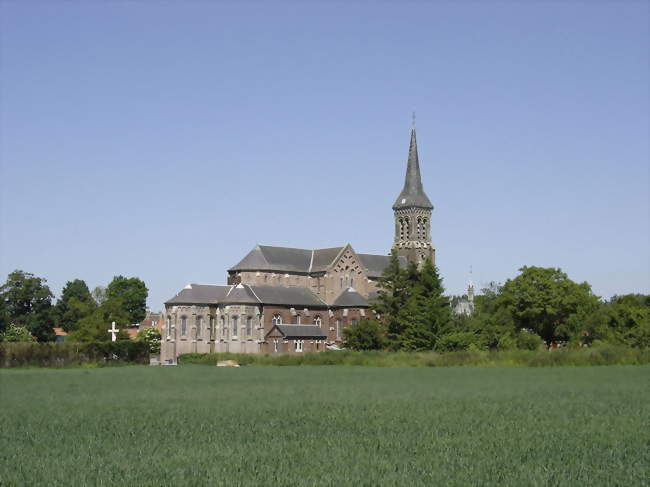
[245,294]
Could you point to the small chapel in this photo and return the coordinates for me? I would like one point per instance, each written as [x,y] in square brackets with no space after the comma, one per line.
[291,300]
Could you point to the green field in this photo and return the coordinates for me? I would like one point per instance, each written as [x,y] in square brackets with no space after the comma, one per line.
[201,425]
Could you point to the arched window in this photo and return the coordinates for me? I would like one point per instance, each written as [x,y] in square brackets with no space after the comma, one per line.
[249,326]
[183,325]
[169,325]
[351,281]
[317,320]
[341,279]
[277,320]
[235,324]
[224,330]
[407,227]
[400,222]
[199,325]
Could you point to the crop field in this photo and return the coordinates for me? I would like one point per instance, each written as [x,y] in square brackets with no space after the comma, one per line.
[325,425]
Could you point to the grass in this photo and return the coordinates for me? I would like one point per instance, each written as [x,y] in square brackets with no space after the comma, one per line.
[602,355]
[334,426]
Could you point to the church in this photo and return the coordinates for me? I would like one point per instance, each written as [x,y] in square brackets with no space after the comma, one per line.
[290,300]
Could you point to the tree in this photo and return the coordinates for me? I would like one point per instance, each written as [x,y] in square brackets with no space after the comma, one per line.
[74,304]
[545,301]
[27,302]
[132,294]
[93,328]
[391,298]
[365,335]
[15,333]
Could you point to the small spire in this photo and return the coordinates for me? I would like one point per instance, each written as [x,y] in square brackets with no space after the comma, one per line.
[413,125]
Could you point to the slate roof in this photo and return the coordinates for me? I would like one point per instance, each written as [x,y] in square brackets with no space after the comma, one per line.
[246,294]
[349,298]
[294,296]
[377,263]
[288,259]
[267,258]
[200,294]
[323,258]
[301,331]
[412,194]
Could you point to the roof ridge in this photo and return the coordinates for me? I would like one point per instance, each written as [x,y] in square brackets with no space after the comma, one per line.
[254,294]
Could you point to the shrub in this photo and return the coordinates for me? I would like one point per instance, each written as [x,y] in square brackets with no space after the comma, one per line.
[18,334]
[151,337]
[63,354]
[366,335]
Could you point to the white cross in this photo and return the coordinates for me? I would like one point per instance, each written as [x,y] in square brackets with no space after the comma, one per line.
[113,331]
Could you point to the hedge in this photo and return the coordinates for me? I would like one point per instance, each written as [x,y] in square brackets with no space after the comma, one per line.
[64,354]
[601,355]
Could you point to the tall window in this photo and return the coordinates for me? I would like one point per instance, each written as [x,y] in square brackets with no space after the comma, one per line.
[341,281]
[169,325]
[298,319]
[224,330]
[275,345]
[249,326]
[351,281]
[317,320]
[338,329]
[277,320]
[199,325]
[183,325]
[235,324]
[353,322]
[210,331]
[298,345]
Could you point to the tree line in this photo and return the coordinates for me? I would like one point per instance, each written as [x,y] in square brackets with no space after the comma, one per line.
[28,313]
[539,307]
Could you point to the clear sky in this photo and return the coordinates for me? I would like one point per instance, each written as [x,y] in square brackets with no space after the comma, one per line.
[164,140]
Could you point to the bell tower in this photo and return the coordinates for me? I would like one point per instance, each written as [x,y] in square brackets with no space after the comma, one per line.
[412,210]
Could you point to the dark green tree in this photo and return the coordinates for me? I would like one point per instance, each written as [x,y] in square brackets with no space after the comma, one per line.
[365,335]
[426,314]
[391,298]
[94,327]
[545,301]
[74,304]
[27,302]
[131,293]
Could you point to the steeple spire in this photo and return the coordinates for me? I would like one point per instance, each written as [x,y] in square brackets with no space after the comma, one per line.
[412,213]
[412,195]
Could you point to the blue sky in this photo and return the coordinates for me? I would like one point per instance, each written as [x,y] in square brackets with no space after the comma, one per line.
[165,139]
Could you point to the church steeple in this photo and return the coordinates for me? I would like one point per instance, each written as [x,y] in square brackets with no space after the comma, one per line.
[413,194]
[412,211]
